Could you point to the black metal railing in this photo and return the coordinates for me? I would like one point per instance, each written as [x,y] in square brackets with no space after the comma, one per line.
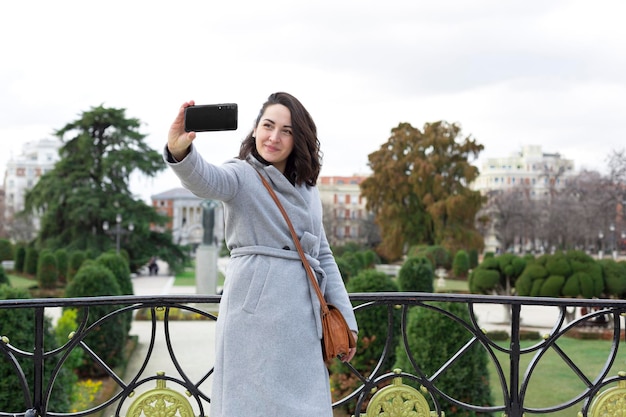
[162,337]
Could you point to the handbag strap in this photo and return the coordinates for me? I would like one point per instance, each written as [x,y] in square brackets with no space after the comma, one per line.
[294,235]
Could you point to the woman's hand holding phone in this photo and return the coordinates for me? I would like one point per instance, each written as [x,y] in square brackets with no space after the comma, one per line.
[179,141]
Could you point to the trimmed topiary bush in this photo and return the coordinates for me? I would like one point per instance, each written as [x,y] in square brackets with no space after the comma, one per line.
[62,258]
[432,339]
[559,265]
[532,274]
[439,256]
[120,269]
[47,272]
[109,338]
[614,277]
[118,265]
[552,286]
[4,279]
[373,327]
[30,262]
[20,258]
[483,281]
[6,250]
[416,274]
[461,264]
[19,326]
[75,262]
[473,258]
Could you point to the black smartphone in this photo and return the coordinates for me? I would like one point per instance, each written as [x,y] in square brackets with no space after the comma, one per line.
[211,117]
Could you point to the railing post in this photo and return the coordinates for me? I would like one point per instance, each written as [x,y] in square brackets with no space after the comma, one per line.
[38,361]
[515,405]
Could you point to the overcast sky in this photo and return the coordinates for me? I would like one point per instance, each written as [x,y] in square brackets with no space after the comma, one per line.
[511,73]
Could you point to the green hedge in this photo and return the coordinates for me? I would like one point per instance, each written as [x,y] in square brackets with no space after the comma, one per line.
[416,274]
[109,339]
[19,326]
[432,339]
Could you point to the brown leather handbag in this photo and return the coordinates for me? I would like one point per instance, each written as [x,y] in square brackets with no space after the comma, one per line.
[337,338]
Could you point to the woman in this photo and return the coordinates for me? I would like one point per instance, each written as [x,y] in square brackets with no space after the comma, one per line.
[268,352]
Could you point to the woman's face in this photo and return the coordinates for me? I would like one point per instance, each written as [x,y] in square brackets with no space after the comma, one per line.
[274,136]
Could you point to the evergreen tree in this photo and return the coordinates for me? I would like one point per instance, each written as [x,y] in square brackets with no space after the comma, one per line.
[89,186]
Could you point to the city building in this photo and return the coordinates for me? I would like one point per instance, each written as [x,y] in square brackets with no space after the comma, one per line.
[22,173]
[345,217]
[185,212]
[529,167]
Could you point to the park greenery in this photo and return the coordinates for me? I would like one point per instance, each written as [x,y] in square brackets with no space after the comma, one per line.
[419,189]
[428,217]
[89,188]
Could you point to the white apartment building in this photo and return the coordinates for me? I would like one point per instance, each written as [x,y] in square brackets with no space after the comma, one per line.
[530,167]
[24,170]
[345,216]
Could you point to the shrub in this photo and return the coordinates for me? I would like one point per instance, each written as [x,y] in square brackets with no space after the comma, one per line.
[559,265]
[30,262]
[118,265]
[62,263]
[416,274]
[483,281]
[108,339]
[19,325]
[4,279]
[75,262]
[532,273]
[439,256]
[432,339]
[47,272]
[20,258]
[614,277]
[473,258]
[461,264]
[498,335]
[552,286]
[6,250]
[373,327]
[120,269]
[579,283]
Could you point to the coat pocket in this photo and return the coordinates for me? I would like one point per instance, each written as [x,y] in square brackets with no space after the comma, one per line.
[257,283]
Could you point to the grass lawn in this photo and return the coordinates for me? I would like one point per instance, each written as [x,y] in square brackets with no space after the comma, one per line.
[21,282]
[553,382]
[188,278]
[452,285]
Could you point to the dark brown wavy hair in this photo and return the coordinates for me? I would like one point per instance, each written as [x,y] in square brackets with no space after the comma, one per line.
[305,161]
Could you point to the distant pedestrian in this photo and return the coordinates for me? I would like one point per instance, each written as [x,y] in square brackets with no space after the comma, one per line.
[153,267]
[268,353]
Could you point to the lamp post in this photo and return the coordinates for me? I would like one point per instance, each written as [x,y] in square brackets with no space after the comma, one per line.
[600,238]
[118,230]
[613,246]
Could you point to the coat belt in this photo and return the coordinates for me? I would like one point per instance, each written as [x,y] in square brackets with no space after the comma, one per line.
[294,256]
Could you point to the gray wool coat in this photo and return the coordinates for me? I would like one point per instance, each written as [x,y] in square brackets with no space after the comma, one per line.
[268,353]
